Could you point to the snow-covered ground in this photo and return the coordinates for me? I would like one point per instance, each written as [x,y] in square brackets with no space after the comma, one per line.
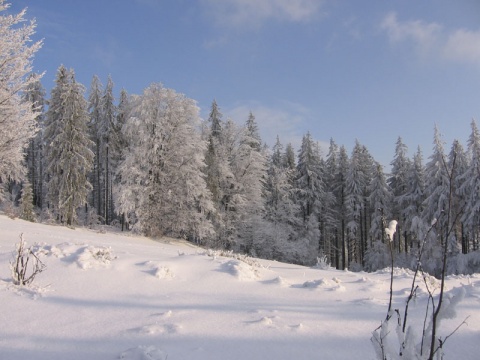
[113,296]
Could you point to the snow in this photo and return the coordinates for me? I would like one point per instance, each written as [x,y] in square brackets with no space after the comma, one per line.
[111,295]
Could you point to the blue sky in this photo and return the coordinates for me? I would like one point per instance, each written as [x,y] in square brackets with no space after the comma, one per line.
[342,69]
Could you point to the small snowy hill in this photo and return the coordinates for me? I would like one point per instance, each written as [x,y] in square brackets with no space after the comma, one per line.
[114,296]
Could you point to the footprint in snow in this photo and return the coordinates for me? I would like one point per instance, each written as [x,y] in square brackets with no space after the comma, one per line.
[154,329]
[144,353]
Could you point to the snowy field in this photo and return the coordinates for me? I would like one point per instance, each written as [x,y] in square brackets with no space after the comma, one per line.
[113,296]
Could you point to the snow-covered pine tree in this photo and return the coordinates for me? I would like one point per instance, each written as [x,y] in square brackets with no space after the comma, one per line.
[311,191]
[356,189]
[331,171]
[120,146]
[219,177]
[377,255]
[281,210]
[27,211]
[380,200]
[469,191]
[330,215]
[458,165]
[413,198]
[95,110]
[398,183]
[162,182]
[54,127]
[249,170]
[69,164]
[109,137]
[340,191]
[17,117]
[437,188]
[35,94]
[289,157]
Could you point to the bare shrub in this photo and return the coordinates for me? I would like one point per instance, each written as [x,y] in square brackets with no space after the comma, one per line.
[25,265]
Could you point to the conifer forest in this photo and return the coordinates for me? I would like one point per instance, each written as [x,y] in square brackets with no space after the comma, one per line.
[148,163]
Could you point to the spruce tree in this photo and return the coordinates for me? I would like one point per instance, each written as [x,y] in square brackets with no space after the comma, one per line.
[95,110]
[249,169]
[69,164]
[398,183]
[469,192]
[26,203]
[35,94]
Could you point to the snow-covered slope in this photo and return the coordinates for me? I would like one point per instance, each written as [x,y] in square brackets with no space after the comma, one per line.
[113,296]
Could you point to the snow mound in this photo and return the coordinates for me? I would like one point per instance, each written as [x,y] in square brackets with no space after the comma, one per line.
[315,283]
[85,256]
[144,353]
[278,281]
[240,270]
[158,270]
[163,272]
[94,256]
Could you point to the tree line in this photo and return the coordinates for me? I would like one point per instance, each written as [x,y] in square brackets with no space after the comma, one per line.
[148,163]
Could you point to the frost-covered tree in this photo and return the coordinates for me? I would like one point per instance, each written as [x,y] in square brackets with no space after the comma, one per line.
[437,190]
[377,255]
[358,178]
[95,120]
[35,94]
[120,147]
[54,127]
[331,172]
[109,137]
[398,183]
[457,165]
[281,210]
[289,157]
[329,212]
[27,211]
[162,182]
[69,158]
[437,181]
[17,117]
[469,191]
[380,199]
[222,144]
[249,166]
[311,191]
[340,191]
[414,197]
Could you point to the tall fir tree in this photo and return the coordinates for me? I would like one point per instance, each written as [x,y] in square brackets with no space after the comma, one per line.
[398,183]
[414,197]
[54,127]
[69,164]
[249,170]
[311,191]
[469,190]
[35,94]
[95,110]
[282,221]
[109,137]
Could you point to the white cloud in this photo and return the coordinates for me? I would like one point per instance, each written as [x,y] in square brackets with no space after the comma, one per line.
[236,13]
[433,40]
[423,35]
[464,46]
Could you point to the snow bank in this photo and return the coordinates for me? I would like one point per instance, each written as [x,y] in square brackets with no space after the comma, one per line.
[110,296]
